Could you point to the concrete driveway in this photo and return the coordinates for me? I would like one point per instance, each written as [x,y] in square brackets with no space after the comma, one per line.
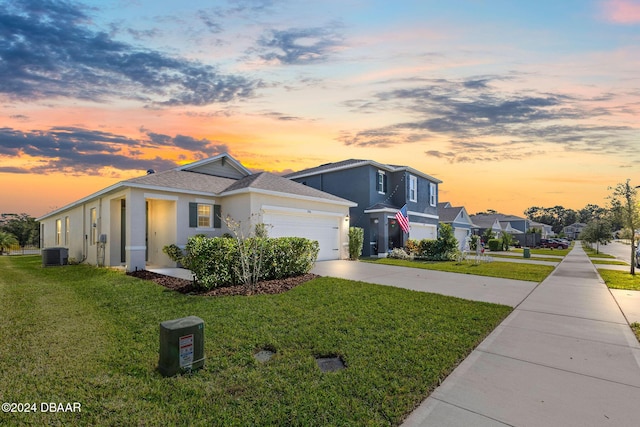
[477,288]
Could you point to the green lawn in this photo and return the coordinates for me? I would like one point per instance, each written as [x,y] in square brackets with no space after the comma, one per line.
[507,270]
[592,253]
[87,335]
[621,279]
[545,251]
[520,256]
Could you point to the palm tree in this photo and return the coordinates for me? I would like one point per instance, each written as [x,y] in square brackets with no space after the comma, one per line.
[6,241]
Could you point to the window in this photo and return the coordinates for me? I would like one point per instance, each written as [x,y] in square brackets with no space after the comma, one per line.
[381,183]
[413,188]
[433,194]
[66,231]
[204,216]
[58,231]
[93,223]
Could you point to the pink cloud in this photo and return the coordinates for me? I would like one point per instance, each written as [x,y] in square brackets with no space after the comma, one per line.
[622,11]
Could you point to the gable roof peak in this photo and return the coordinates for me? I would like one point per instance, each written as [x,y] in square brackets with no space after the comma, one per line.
[225,160]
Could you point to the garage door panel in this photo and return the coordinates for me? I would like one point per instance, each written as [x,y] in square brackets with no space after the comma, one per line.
[325,230]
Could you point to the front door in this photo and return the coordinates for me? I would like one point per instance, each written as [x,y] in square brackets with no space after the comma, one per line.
[395,234]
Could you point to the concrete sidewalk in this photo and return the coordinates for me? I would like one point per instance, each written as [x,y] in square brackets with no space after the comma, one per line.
[564,357]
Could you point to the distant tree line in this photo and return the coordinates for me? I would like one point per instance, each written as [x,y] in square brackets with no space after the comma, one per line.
[559,217]
[22,227]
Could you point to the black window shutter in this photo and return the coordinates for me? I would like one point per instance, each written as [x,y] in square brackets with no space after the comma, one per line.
[193,215]
[217,219]
[384,180]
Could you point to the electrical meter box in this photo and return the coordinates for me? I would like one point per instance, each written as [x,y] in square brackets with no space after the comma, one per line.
[181,345]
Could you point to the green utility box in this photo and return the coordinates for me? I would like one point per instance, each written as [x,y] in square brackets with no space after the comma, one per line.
[181,345]
[526,252]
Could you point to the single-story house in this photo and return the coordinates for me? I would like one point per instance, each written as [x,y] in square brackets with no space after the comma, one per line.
[128,223]
[460,222]
[518,227]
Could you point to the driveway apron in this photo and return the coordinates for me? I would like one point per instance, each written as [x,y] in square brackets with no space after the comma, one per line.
[564,357]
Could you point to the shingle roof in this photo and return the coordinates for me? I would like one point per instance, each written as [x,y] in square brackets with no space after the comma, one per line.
[351,163]
[271,182]
[183,180]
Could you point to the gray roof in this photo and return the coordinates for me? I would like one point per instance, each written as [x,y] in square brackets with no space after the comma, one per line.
[448,214]
[271,182]
[353,163]
[183,180]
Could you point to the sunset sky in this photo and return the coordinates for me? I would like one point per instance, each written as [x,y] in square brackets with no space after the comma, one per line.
[511,104]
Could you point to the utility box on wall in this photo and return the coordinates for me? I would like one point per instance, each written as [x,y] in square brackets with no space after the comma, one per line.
[181,345]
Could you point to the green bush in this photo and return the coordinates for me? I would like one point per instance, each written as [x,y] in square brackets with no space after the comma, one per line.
[174,252]
[494,245]
[216,261]
[288,256]
[356,240]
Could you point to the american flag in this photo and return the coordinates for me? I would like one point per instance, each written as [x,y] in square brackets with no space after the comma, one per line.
[403,219]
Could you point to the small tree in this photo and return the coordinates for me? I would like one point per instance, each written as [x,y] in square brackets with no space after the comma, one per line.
[356,240]
[447,244]
[6,241]
[487,235]
[506,240]
[250,251]
[624,200]
[597,231]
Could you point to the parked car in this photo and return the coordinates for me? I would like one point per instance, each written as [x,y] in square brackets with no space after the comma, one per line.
[553,244]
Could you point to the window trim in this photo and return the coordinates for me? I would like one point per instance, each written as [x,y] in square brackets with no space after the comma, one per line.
[208,217]
[381,182]
[433,192]
[66,230]
[413,188]
[58,232]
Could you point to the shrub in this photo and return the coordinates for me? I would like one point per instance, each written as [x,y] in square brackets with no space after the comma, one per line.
[447,246]
[288,256]
[494,245]
[474,240]
[174,252]
[428,249]
[216,261]
[356,240]
[399,253]
[412,247]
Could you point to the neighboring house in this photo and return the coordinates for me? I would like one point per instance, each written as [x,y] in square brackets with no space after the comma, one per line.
[380,190]
[546,230]
[128,224]
[458,218]
[517,226]
[573,231]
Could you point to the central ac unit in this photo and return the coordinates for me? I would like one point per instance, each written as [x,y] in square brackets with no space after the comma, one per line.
[55,256]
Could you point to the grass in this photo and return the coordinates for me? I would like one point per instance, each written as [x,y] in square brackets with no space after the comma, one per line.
[592,253]
[81,334]
[608,262]
[546,251]
[533,258]
[620,279]
[635,327]
[507,270]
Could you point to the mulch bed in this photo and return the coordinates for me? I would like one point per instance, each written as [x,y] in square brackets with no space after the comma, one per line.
[186,286]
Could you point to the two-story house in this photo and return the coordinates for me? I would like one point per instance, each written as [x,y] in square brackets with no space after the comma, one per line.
[380,190]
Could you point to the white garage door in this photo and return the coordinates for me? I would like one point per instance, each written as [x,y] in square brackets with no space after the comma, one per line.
[461,234]
[419,231]
[324,229]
